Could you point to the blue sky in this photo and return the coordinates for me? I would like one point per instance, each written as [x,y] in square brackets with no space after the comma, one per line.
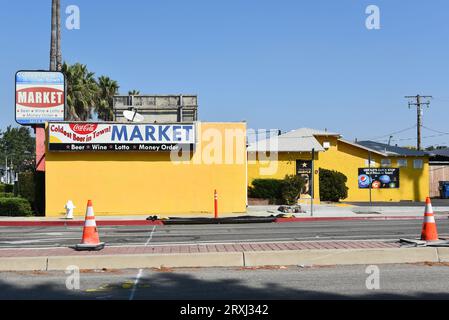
[276,64]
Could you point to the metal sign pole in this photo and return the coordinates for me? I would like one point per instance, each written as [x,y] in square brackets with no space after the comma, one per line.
[370,180]
[312,183]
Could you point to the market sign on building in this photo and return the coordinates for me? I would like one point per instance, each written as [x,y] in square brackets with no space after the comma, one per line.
[79,137]
[40,97]
[379,178]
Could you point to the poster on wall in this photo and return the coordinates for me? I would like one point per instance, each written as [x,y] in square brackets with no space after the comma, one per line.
[379,178]
[79,137]
[304,170]
[40,97]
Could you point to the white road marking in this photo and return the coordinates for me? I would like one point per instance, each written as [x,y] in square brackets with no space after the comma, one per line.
[139,274]
[21,242]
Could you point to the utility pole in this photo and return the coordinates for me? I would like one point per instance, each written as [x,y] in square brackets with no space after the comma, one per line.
[419,108]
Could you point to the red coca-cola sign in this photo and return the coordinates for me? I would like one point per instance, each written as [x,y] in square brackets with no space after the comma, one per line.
[40,97]
[83,128]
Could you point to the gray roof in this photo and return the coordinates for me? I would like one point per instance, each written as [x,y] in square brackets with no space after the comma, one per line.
[440,152]
[391,150]
[355,144]
[300,140]
[304,132]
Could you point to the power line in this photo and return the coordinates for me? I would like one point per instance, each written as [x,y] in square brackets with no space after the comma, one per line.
[433,130]
[393,133]
[426,137]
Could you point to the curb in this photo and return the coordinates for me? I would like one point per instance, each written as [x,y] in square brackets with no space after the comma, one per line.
[80,223]
[390,218]
[342,257]
[70,223]
[230,259]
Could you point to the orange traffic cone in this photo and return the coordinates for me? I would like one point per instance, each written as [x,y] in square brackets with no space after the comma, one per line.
[91,239]
[429,229]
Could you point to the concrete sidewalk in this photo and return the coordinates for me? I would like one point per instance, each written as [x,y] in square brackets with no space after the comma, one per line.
[322,211]
[221,255]
[348,211]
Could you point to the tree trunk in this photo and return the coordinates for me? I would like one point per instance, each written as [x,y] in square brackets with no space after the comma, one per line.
[53,36]
[58,34]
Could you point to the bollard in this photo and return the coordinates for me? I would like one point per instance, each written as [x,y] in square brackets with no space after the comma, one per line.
[216,204]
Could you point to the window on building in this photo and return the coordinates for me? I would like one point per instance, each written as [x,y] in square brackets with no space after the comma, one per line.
[418,164]
[402,163]
[385,162]
[373,163]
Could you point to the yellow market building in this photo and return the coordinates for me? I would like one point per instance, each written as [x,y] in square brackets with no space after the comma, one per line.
[111,164]
[405,172]
[174,169]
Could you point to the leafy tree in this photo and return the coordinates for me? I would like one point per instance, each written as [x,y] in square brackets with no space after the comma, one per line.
[18,146]
[333,185]
[133,92]
[433,148]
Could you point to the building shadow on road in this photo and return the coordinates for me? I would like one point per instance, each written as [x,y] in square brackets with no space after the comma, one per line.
[181,286]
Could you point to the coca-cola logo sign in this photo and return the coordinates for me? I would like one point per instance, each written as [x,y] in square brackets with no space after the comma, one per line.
[83,128]
[40,97]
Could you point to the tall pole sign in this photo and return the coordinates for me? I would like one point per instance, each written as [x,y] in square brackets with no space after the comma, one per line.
[40,98]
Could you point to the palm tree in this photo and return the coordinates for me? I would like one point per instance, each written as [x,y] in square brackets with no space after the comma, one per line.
[55,47]
[133,92]
[58,36]
[108,88]
[82,91]
[54,27]
[85,94]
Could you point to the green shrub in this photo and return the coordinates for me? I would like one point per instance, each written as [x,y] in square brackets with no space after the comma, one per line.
[266,189]
[333,185]
[277,191]
[6,195]
[15,207]
[291,189]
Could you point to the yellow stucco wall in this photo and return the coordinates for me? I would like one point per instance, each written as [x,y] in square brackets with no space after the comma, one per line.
[140,183]
[266,167]
[347,159]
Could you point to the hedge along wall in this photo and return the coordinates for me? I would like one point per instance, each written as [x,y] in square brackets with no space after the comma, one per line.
[15,207]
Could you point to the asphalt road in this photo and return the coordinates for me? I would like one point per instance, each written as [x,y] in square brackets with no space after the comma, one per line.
[33,237]
[349,282]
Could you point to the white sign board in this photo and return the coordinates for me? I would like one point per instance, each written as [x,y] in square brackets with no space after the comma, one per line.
[120,137]
[40,97]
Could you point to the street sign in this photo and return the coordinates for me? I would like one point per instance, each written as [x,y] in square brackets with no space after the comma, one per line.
[40,97]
